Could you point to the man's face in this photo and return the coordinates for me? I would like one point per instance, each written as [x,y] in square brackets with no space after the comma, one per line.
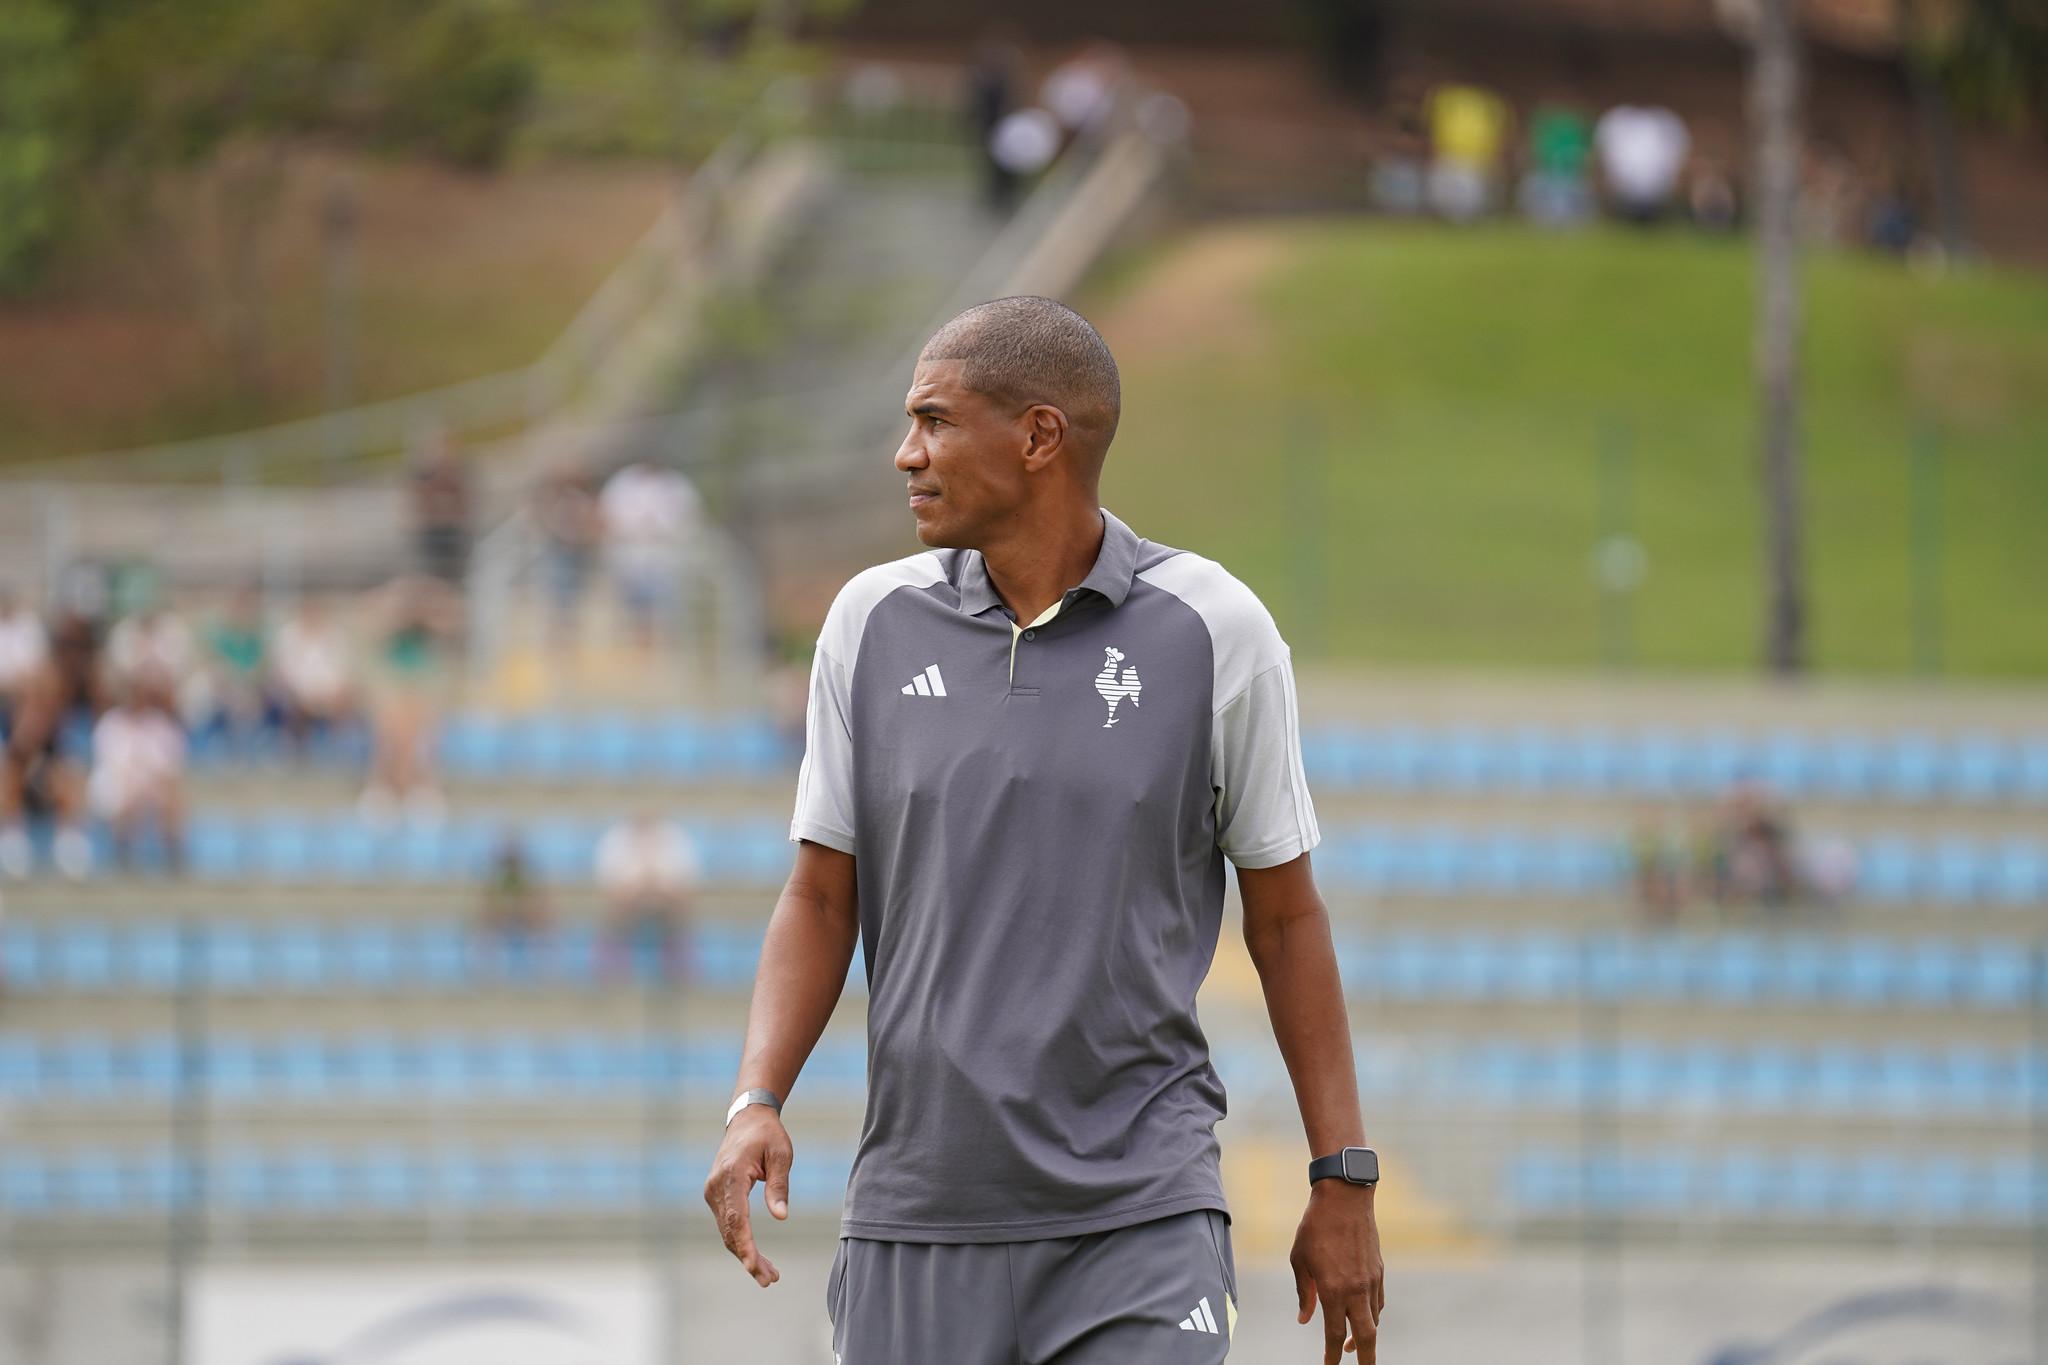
[965,458]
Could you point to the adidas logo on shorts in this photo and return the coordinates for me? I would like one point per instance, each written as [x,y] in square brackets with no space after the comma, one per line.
[1201,1320]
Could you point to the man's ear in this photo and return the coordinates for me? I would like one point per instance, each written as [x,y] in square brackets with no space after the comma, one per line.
[1045,429]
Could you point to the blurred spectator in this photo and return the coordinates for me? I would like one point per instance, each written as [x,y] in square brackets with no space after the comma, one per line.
[647,871]
[566,515]
[1756,865]
[1829,870]
[1657,865]
[1556,191]
[241,705]
[1082,91]
[1399,183]
[991,96]
[1467,126]
[138,770]
[1025,142]
[515,907]
[1711,198]
[48,753]
[412,619]
[648,512]
[1829,199]
[440,508]
[155,648]
[23,647]
[1641,151]
[315,678]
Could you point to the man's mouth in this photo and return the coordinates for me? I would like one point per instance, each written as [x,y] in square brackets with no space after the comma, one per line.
[920,496]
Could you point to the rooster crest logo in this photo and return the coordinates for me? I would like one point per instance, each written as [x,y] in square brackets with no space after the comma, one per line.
[1114,689]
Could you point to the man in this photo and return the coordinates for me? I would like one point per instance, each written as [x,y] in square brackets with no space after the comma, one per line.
[1029,753]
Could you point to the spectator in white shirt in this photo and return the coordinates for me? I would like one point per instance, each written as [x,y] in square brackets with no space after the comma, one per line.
[138,769]
[648,512]
[647,871]
[1642,151]
[23,647]
[314,671]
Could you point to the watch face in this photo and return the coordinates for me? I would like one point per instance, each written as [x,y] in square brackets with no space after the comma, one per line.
[1361,1165]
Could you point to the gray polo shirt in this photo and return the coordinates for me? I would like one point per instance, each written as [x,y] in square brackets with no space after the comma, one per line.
[1040,821]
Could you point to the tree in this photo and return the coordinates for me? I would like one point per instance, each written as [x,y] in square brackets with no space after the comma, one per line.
[35,81]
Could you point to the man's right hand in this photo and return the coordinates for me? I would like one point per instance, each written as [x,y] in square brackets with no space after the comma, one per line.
[755,1148]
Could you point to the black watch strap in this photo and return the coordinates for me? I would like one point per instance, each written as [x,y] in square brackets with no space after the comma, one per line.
[1353,1165]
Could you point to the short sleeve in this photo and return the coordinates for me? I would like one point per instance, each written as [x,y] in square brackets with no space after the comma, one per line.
[1264,816]
[824,785]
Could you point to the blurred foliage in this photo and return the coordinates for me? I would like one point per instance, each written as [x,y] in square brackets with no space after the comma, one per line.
[100,98]
[1994,60]
[35,80]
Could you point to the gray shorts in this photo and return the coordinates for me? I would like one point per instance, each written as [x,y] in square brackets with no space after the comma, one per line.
[1157,1292]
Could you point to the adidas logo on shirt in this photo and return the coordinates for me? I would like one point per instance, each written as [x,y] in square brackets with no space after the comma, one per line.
[1201,1320]
[926,684]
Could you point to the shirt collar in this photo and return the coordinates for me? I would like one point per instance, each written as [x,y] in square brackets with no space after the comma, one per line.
[1115,565]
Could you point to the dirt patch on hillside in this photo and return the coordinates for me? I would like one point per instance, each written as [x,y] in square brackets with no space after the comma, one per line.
[1201,301]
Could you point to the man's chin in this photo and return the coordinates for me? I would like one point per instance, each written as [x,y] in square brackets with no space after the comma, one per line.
[938,535]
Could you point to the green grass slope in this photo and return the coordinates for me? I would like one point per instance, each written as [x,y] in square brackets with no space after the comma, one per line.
[1392,432]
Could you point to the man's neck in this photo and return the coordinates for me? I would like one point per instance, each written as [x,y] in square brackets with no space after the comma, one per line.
[1033,569]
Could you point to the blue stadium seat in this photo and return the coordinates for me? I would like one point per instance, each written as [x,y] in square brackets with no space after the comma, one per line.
[213,846]
[614,747]
[298,959]
[681,750]
[1810,1184]
[603,1177]
[368,956]
[1979,768]
[21,1068]
[82,954]
[313,1180]
[530,1178]
[2030,769]
[1839,1079]
[1958,872]
[1998,974]
[474,745]
[1742,1184]
[1771,1080]
[546,745]
[152,954]
[440,954]
[1846,766]
[1533,759]
[1724,758]
[2019,873]
[562,849]
[1803,970]
[300,1069]
[351,850]
[1541,966]
[154,1066]
[1593,761]
[1904,1080]
[753,747]
[285,847]
[377,1068]
[1912,768]
[1734,968]
[94,1184]
[419,853]
[1887,870]
[234,1071]
[1931,973]
[27,1185]
[387,1180]
[1876,1190]
[1941,1187]
[1787,762]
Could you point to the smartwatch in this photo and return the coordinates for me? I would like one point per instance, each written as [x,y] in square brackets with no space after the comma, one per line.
[748,1097]
[1353,1166]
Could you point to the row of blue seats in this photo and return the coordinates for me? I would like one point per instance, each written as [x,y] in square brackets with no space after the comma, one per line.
[1728,968]
[285,846]
[1915,767]
[1469,965]
[311,1069]
[353,955]
[552,746]
[1901,1080]
[1444,860]
[1964,1080]
[288,846]
[389,1181]
[1874,1186]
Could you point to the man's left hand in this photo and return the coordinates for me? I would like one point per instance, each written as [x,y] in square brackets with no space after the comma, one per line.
[1336,1260]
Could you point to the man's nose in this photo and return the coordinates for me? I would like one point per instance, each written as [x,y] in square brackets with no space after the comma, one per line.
[910,455]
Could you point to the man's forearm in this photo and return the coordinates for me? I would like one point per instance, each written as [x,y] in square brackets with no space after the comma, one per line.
[1287,932]
[804,960]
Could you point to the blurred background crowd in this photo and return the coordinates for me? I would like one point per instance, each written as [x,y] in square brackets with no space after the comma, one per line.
[431,435]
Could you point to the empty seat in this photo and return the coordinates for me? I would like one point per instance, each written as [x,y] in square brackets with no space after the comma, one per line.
[1979,768]
[474,745]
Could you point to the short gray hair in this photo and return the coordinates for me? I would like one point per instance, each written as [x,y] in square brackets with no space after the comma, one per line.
[1025,350]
